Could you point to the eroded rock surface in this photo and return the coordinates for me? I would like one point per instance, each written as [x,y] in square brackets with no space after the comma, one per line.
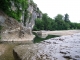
[60,48]
[13,31]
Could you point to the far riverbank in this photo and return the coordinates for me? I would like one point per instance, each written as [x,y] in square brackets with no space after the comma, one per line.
[60,32]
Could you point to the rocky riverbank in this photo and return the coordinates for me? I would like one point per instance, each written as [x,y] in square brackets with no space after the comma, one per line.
[58,32]
[60,48]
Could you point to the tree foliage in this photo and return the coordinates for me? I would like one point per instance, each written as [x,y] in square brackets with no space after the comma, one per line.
[20,5]
[38,25]
[60,22]
[66,18]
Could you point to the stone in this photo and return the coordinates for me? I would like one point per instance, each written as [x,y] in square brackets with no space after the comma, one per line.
[46,50]
[13,31]
[67,56]
[61,39]
[42,34]
[10,31]
[2,20]
[63,52]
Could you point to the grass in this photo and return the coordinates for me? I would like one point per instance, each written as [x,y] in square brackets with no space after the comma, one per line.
[37,39]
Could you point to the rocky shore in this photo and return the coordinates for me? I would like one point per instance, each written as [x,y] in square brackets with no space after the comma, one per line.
[59,48]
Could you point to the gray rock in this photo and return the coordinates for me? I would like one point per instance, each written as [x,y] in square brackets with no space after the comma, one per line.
[13,31]
[67,56]
[46,50]
[2,20]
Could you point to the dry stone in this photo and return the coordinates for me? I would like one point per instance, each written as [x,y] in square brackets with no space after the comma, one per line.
[69,49]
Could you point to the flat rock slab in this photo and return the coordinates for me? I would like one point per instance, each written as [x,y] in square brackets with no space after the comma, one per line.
[2,50]
[59,48]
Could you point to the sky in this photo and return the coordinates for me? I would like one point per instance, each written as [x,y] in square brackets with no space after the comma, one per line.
[54,7]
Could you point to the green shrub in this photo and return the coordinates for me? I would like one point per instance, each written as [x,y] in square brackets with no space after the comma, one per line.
[0,27]
[5,5]
[0,37]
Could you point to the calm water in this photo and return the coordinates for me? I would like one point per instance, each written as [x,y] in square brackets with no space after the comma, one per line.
[37,39]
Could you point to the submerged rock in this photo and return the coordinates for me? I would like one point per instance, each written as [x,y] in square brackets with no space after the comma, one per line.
[69,49]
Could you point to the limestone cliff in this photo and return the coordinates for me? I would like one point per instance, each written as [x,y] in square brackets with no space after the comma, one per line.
[12,30]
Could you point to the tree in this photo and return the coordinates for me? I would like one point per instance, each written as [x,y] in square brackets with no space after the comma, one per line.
[38,25]
[45,21]
[21,8]
[58,18]
[66,18]
[78,25]
[60,22]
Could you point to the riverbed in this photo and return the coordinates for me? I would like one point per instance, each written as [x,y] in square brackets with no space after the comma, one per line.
[59,48]
[66,47]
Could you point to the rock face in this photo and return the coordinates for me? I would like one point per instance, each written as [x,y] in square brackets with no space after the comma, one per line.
[33,13]
[60,48]
[12,30]
[15,31]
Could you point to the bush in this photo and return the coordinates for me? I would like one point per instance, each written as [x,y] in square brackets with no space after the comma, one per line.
[0,27]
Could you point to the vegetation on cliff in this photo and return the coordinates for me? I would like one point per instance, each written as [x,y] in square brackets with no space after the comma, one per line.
[14,8]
